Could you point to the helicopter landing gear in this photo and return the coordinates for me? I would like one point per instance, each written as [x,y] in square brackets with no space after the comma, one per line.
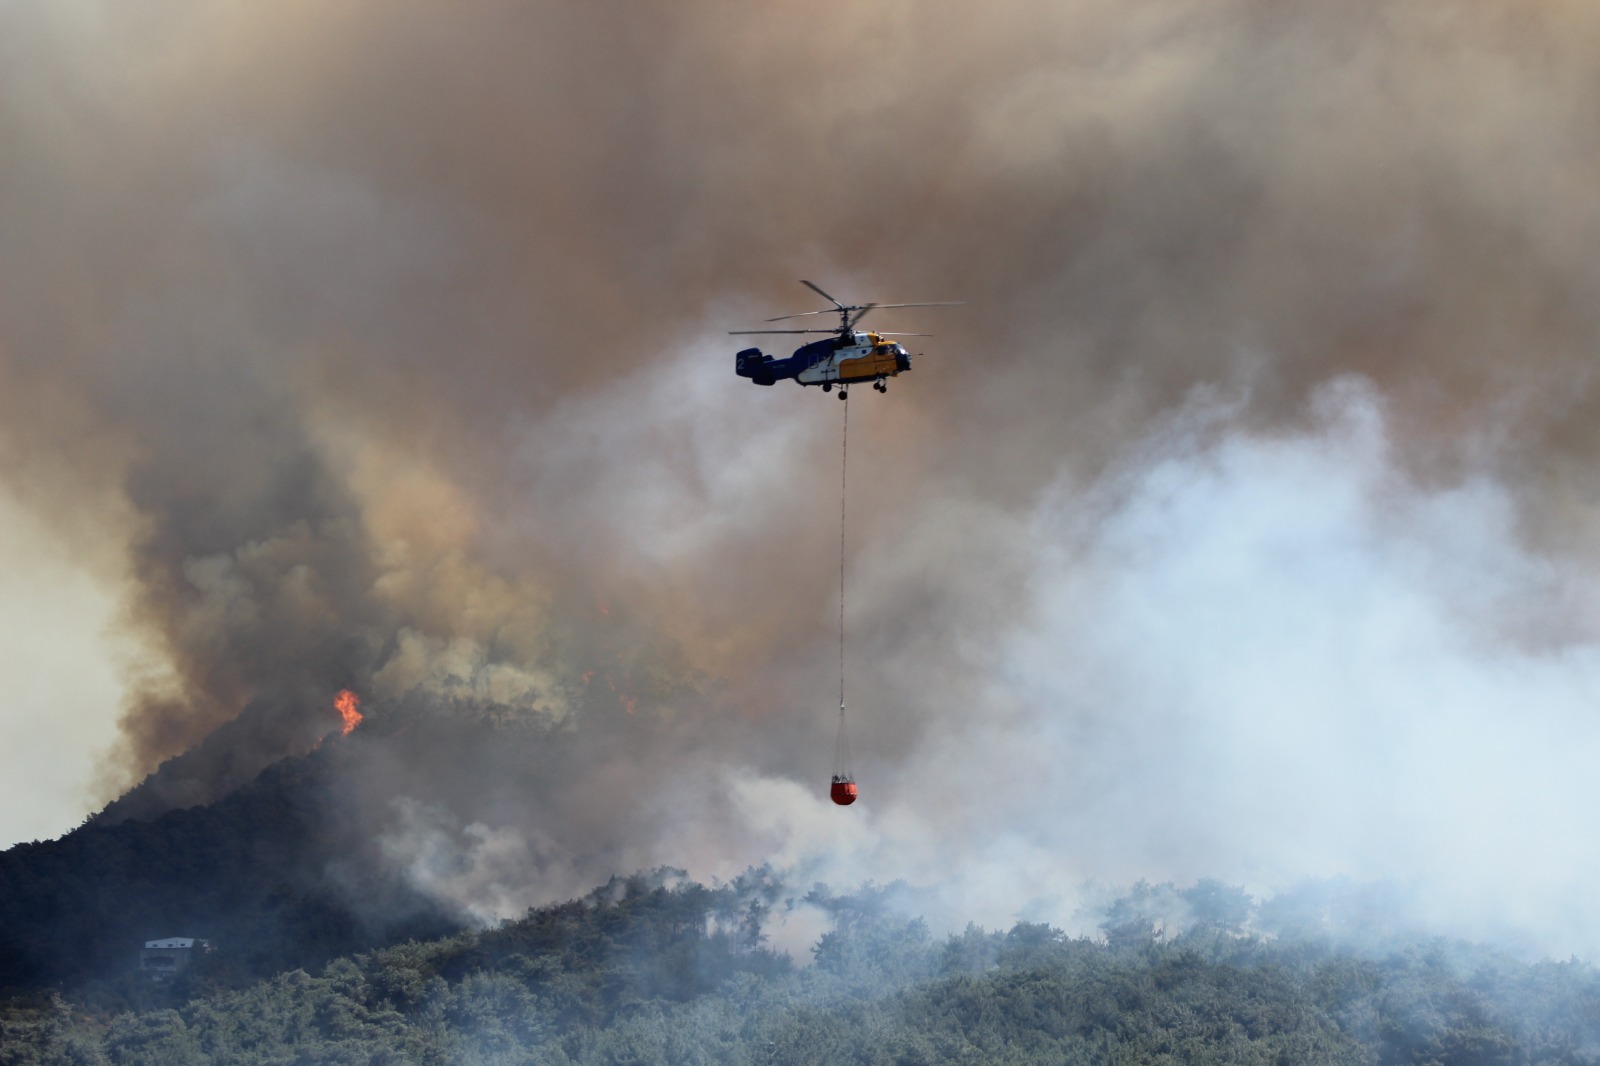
[827,386]
[881,385]
[844,394]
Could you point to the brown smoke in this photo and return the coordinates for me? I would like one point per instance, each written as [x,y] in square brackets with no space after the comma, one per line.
[386,341]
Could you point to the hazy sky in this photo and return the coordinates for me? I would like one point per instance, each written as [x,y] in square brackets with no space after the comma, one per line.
[1242,524]
[59,673]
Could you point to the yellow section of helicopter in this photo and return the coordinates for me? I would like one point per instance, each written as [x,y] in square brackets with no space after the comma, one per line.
[880,362]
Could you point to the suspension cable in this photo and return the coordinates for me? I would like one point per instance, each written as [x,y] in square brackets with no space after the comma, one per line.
[844,469]
[842,753]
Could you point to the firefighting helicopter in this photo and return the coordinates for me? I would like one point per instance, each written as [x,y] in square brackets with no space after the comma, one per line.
[847,357]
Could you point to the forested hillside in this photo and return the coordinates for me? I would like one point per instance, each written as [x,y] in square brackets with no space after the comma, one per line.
[327,954]
[657,969]
[251,871]
[296,866]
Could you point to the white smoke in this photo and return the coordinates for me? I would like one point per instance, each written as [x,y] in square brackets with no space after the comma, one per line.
[1261,658]
[361,357]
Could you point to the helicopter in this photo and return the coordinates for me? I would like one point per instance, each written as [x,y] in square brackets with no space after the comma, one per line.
[847,357]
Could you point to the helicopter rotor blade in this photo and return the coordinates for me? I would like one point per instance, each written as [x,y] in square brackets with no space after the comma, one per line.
[822,294]
[849,314]
[802,314]
[881,333]
[864,308]
[860,313]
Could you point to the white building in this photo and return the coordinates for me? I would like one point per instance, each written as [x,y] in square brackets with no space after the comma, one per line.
[165,958]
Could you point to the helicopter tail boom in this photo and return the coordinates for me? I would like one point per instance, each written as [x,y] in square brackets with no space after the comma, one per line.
[752,363]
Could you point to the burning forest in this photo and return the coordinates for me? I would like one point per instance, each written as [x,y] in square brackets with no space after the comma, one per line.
[373,464]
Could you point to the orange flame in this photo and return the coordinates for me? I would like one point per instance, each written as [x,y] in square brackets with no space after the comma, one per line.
[348,705]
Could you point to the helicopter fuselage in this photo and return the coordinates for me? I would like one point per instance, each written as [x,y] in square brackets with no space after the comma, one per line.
[841,360]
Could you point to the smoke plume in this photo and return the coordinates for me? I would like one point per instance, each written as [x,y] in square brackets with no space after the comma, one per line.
[1242,524]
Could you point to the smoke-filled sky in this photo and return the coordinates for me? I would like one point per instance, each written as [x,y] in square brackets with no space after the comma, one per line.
[1242,523]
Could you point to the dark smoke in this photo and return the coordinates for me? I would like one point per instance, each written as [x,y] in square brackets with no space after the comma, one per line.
[383,346]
